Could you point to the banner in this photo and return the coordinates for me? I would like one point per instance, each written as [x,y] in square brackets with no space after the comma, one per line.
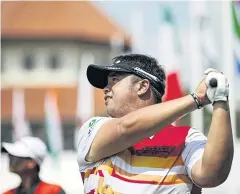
[53,123]
[21,126]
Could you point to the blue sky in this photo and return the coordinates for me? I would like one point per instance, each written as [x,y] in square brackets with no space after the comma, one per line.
[120,11]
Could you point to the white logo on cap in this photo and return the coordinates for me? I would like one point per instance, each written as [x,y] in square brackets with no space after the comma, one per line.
[146,73]
[118,61]
[114,68]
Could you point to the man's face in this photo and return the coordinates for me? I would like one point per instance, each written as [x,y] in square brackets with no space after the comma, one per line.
[120,94]
[18,165]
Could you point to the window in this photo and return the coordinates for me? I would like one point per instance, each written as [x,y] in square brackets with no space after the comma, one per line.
[6,131]
[28,62]
[54,62]
[69,132]
[37,129]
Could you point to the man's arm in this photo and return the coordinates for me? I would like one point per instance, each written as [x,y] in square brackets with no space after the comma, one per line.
[118,134]
[214,167]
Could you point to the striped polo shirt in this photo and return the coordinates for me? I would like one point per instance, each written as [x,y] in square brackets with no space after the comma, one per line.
[158,164]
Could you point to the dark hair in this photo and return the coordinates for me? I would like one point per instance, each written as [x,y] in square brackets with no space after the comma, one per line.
[150,65]
[38,168]
[157,96]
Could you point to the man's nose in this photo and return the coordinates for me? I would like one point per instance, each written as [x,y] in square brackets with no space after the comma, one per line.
[106,89]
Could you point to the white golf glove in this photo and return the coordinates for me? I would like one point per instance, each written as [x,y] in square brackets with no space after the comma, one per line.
[221,91]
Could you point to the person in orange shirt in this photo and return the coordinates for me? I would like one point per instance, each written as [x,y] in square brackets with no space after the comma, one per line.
[25,159]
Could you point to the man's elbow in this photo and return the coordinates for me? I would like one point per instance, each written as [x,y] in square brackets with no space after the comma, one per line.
[210,182]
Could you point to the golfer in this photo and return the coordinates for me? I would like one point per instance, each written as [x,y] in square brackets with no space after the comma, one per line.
[136,150]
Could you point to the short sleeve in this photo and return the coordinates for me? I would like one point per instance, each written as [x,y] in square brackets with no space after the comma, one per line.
[85,137]
[194,147]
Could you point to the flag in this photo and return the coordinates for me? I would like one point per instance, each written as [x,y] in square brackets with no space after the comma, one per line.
[174,89]
[21,126]
[53,123]
[236,27]
[168,56]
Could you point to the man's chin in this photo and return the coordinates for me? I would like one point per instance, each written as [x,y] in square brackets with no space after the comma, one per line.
[112,113]
[12,170]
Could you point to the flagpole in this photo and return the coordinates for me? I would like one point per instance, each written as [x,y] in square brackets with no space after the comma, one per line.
[166,42]
[137,31]
[85,105]
[116,44]
[85,94]
[228,58]
[168,56]
[195,59]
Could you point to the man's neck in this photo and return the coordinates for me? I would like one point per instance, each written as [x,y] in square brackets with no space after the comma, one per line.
[28,181]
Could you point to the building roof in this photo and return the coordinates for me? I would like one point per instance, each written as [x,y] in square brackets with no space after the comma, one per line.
[64,20]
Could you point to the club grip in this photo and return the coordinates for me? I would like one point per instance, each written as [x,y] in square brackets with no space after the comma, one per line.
[213,82]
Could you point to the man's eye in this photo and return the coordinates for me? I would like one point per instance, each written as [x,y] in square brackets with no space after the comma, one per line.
[114,79]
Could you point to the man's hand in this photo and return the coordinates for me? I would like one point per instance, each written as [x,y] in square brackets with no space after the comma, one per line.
[208,94]
[221,91]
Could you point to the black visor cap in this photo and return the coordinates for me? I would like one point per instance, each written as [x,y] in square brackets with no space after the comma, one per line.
[98,75]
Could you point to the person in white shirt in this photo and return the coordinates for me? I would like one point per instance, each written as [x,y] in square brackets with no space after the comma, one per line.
[136,149]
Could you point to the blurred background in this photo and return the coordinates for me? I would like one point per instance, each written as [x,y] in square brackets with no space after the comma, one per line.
[47,46]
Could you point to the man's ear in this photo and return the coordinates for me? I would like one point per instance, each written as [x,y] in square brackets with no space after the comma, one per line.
[144,86]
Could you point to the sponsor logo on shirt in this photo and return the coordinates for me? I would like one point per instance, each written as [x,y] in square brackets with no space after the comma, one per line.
[92,124]
[163,151]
